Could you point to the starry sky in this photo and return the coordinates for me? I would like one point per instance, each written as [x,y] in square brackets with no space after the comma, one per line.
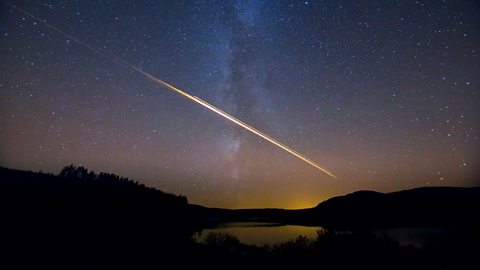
[385,94]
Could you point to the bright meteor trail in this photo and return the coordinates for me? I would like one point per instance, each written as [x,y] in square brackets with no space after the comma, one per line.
[173,88]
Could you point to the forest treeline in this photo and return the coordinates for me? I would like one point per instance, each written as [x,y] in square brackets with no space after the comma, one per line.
[79,213]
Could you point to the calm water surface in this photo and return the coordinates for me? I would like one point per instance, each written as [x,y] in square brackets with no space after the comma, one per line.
[259,233]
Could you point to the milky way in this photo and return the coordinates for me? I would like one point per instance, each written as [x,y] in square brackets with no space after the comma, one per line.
[385,94]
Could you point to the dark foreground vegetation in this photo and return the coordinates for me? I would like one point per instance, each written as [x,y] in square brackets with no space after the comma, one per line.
[82,220]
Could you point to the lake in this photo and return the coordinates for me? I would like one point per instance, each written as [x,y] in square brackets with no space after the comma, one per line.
[260,233]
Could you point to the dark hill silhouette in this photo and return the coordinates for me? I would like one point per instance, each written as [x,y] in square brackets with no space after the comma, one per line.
[427,206]
[105,207]
[80,214]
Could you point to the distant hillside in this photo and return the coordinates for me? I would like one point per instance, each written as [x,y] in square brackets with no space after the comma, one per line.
[427,206]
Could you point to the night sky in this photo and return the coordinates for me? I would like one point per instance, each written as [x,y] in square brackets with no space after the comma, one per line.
[385,94]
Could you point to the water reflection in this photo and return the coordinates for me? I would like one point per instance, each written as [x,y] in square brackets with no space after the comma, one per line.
[259,233]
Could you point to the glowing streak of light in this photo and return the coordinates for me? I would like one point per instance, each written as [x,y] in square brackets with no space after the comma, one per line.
[171,87]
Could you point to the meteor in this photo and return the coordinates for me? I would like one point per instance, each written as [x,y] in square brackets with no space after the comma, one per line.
[173,88]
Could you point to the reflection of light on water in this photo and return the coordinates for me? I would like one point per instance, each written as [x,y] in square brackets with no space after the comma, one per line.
[260,233]
[257,233]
